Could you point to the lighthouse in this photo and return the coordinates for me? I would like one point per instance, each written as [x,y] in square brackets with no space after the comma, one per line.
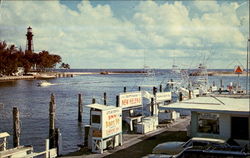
[29,43]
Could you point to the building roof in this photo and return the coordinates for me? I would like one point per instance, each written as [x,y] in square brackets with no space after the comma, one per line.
[212,104]
[4,134]
[100,107]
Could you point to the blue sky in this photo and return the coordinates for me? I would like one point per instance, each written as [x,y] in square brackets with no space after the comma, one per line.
[131,34]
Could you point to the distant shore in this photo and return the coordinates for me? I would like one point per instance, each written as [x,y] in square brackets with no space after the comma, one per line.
[47,75]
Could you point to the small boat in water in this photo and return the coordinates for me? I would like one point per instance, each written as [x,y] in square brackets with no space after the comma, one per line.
[43,84]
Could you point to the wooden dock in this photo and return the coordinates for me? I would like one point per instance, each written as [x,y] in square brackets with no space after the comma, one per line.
[132,139]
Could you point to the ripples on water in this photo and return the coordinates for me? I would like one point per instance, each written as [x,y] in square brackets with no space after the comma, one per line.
[33,104]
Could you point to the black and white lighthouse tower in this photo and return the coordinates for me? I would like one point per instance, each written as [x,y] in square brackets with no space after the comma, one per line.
[29,43]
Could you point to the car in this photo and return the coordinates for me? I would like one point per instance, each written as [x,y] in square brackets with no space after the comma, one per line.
[174,148]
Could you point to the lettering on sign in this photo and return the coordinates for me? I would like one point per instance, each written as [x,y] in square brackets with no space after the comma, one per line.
[97,133]
[130,99]
[163,96]
[208,116]
[112,122]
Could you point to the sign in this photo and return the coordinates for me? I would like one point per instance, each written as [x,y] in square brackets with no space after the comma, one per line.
[97,133]
[130,99]
[163,96]
[208,116]
[196,92]
[238,69]
[111,122]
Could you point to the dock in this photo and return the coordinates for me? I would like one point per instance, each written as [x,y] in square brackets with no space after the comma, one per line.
[132,139]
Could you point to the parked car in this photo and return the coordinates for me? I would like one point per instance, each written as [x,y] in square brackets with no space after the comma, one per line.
[174,148]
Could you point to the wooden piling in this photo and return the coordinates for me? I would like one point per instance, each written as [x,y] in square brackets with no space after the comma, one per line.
[58,142]
[93,101]
[52,115]
[154,90]
[124,89]
[160,88]
[189,94]
[16,127]
[105,98]
[152,106]
[221,85]
[86,134]
[117,101]
[180,96]
[80,109]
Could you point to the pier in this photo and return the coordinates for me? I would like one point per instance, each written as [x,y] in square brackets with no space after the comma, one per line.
[130,141]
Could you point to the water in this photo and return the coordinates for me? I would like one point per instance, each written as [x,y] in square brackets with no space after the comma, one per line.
[33,103]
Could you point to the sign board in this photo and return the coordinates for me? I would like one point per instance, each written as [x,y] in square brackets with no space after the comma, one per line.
[196,92]
[163,96]
[111,122]
[238,69]
[130,99]
[208,116]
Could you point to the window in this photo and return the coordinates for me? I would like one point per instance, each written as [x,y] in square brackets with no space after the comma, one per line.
[96,119]
[208,123]
[239,128]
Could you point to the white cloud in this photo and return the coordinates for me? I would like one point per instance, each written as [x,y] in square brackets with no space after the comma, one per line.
[92,36]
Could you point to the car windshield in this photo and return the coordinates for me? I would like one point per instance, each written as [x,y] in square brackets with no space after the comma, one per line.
[187,144]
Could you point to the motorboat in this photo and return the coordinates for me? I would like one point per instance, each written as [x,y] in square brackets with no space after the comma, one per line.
[43,84]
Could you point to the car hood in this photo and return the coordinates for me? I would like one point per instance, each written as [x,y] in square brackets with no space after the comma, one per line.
[168,148]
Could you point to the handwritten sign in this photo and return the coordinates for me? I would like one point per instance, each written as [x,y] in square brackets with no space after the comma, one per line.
[130,99]
[112,122]
[163,96]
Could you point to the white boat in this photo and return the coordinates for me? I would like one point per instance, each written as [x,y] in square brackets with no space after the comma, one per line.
[43,84]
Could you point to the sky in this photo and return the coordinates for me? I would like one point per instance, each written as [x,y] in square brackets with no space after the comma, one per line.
[131,34]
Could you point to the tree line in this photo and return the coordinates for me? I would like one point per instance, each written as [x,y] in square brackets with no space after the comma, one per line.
[11,58]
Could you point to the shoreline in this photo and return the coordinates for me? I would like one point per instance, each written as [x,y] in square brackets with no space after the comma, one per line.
[47,75]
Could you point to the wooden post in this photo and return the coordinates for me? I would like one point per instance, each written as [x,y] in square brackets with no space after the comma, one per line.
[105,98]
[189,94]
[4,144]
[180,96]
[16,127]
[86,134]
[160,88]
[139,88]
[124,89]
[47,148]
[117,101]
[152,106]
[154,90]
[80,109]
[52,115]
[58,142]
[221,83]
[93,101]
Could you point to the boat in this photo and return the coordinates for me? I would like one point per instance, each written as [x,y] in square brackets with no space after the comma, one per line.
[104,72]
[45,76]
[43,84]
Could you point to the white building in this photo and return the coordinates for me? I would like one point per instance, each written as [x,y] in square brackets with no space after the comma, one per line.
[219,117]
